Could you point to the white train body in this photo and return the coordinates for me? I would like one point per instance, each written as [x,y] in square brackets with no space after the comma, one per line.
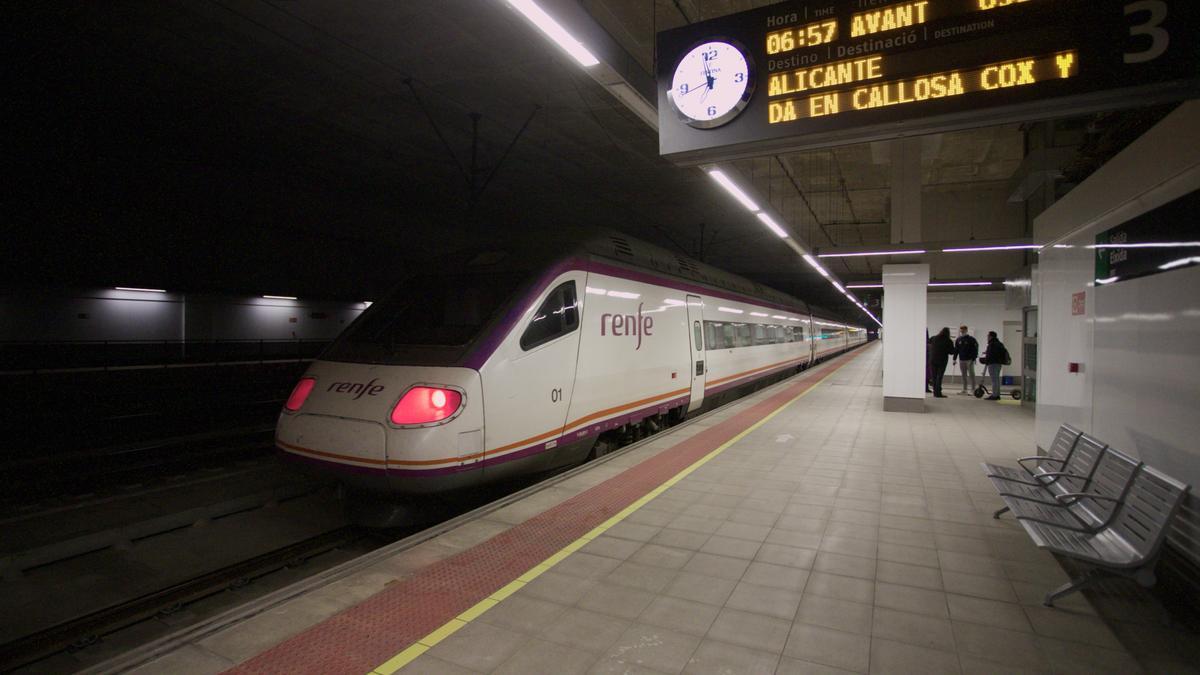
[592,345]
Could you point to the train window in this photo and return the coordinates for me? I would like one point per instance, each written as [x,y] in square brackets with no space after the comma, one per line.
[446,310]
[760,335]
[558,315]
[729,336]
[712,339]
[745,337]
[698,338]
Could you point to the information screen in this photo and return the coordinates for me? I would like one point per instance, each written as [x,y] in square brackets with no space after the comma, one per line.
[834,72]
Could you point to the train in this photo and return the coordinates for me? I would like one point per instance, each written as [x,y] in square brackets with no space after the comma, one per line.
[515,359]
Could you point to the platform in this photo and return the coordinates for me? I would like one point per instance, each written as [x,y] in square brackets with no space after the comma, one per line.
[800,530]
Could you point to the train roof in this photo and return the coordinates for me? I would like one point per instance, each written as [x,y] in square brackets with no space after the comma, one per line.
[630,251]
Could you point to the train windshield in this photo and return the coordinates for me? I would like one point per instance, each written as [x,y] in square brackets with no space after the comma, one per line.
[429,310]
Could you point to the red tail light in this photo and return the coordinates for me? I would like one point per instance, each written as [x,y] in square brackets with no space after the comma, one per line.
[303,388]
[423,405]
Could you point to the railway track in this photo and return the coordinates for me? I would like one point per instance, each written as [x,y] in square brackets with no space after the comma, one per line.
[49,481]
[85,630]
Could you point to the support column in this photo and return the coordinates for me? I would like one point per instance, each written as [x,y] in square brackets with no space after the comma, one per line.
[904,319]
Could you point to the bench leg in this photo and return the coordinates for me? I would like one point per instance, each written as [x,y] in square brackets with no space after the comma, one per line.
[1070,587]
[999,513]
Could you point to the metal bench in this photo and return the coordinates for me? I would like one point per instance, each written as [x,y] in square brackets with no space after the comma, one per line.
[1128,545]
[1088,509]
[1055,459]
[1068,467]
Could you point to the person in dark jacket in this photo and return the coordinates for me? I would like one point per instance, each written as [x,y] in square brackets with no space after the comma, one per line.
[966,350]
[928,366]
[995,357]
[941,348]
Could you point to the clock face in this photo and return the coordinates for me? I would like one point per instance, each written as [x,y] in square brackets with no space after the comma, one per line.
[712,84]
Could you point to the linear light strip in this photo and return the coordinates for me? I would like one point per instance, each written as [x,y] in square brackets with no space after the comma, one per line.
[1150,244]
[862,255]
[770,222]
[935,284]
[751,205]
[734,190]
[141,290]
[982,249]
[555,31]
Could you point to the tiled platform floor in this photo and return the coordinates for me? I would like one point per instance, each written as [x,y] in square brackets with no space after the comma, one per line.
[835,538]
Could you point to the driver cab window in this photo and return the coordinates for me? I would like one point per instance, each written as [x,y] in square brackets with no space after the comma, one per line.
[558,315]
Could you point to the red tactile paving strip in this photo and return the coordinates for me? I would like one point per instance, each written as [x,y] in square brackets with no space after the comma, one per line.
[362,637]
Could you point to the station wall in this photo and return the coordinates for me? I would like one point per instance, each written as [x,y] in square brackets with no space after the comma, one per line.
[1135,341]
[106,314]
[980,311]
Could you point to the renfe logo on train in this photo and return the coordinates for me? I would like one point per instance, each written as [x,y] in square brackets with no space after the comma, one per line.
[370,388]
[627,324]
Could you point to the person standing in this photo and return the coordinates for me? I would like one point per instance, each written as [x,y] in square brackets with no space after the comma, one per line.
[928,364]
[941,348]
[966,350]
[995,357]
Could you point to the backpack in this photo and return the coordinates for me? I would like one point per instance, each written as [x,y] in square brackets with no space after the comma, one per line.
[1007,357]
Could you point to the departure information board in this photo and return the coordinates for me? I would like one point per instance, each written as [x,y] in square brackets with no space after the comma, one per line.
[810,73]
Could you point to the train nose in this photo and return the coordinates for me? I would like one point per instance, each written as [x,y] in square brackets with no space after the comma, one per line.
[382,419]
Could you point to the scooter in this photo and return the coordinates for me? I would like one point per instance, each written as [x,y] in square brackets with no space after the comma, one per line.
[982,391]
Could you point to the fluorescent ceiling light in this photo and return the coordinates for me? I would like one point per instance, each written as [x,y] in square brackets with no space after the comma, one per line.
[1105,282]
[367,303]
[591,290]
[1180,263]
[979,249]
[758,314]
[730,310]
[857,255]
[770,222]
[733,189]
[555,32]
[864,286]
[838,286]
[141,290]
[1151,244]
[280,297]
[779,316]
[623,294]
[938,284]
[815,265]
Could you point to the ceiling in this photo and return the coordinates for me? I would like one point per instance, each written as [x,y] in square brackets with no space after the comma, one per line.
[318,148]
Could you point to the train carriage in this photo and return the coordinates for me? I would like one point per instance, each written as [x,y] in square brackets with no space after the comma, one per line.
[508,361]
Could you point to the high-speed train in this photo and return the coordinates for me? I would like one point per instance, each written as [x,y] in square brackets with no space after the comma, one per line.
[520,359]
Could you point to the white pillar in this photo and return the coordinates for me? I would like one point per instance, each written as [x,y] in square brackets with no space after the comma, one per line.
[904,316]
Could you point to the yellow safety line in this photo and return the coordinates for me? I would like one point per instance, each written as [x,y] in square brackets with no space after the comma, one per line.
[426,643]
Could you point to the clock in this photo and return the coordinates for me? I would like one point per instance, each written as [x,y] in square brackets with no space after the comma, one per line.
[713,83]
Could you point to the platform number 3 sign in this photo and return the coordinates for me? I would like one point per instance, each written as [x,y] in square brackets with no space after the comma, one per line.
[1149,16]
